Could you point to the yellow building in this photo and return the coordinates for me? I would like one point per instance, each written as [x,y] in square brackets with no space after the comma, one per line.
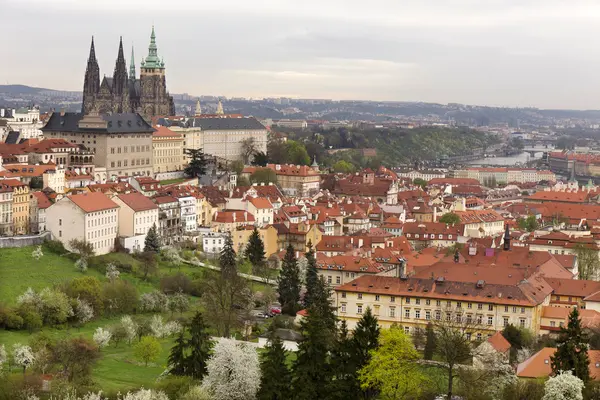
[20,206]
[267,234]
[413,303]
[167,150]
[298,235]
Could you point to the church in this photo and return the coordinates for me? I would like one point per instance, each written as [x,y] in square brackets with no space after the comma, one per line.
[125,93]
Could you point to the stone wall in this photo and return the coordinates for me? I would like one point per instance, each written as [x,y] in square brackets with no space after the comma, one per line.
[26,240]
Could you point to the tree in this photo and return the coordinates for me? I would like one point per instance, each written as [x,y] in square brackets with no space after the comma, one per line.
[263,175]
[37,253]
[420,182]
[23,356]
[255,253]
[149,263]
[248,148]
[288,283]
[148,349]
[563,386]
[102,337]
[343,166]
[393,370]
[152,242]
[296,153]
[88,289]
[75,357]
[277,151]
[233,371]
[429,343]
[197,164]
[529,224]
[453,345]
[81,247]
[227,259]
[450,219]
[260,159]
[236,166]
[242,181]
[365,338]
[588,262]
[178,355]
[112,272]
[200,347]
[276,378]
[344,383]
[312,276]
[565,143]
[518,339]
[571,349]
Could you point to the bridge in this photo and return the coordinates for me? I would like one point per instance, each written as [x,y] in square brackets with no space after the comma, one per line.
[532,151]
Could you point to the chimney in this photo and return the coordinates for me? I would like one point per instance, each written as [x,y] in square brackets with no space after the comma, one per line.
[506,239]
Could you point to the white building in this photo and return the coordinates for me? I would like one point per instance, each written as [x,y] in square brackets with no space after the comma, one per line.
[188,213]
[137,214]
[92,217]
[55,179]
[213,242]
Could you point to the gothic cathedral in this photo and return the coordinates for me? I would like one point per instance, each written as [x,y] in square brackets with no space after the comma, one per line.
[124,93]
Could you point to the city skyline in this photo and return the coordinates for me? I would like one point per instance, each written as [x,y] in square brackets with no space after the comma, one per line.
[504,53]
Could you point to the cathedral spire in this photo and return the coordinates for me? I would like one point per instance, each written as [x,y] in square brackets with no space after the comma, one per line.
[220,108]
[92,57]
[119,84]
[152,61]
[132,66]
[198,108]
[91,84]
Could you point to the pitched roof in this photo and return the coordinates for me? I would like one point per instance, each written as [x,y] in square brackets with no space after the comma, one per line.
[260,202]
[573,287]
[224,123]
[475,216]
[540,366]
[230,216]
[93,202]
[499,342]
[115,123]
[42,200]
[163,131]
[137,201]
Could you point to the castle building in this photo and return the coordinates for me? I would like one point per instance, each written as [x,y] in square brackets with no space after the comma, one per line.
[124,93]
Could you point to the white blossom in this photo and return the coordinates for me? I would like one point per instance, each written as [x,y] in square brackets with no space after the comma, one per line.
[112,273]
[81,265]
[233,371]
[30,298]
[564,386]
[496,368]
[23,355]
[102,337]
[84,311]
[130,327]
[196,393]
[157,326]
[3,356]
[523,354]
[37,253]
[155,301]
[146,394]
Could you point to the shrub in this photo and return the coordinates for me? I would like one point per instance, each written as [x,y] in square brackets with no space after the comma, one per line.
[175,386]
[87,288]
[176,283]
[32,320]
[120,297]
[13,321]
[55,246]
[155,301]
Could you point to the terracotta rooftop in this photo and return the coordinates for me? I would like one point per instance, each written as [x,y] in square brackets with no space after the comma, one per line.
[539,365]
[137,202]
[499,343]
[93,202]
[260,202]
[42,200]
[164,132]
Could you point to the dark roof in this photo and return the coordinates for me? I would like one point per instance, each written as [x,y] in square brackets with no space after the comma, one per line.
[12,137]
[117,123]
[224,123]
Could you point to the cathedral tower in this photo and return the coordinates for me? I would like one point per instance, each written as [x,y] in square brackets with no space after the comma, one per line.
[120,87]
[154,98]
[91,84]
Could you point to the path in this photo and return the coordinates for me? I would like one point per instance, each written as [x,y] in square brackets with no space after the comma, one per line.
[246,276]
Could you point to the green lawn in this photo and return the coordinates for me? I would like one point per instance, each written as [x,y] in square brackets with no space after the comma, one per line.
[172,181]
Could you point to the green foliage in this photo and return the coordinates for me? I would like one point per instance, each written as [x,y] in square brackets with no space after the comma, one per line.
[120,297]
[237,166]
[152,242]
[344,384]
[147,349]
[242,181]
[518,338]
[312,276]
[189,356]
[420,182]
[365,338]
[260,159]
[81,247]
[276,378]
[288,283]
[572,346]
[528,224]
[227,259]
[565,143]
[263,175]
[149,263]
[587,261]
[343,166]
[197,164]
[392,369]
[54,246]
[450,219]
[297,153]
[429,343]
[255,251]
[87,288]
[76,357]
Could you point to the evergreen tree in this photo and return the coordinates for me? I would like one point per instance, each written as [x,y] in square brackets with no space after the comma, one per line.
[364,339]
[177,358]
[200,347]
[276,378]
[255,250]
[227,259]
[197,164]
[344,383]
[289,283]
[312,371]
[571,349]
[312,276]
[430,342]
[152,243]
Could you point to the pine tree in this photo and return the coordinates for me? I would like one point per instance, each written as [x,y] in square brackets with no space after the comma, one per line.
[255,250]
[289,283]
[276,378]
[344,383]
[227,259]
[312,276]
[571,349]
[152,243]
[430,342]
[177,358]
[200,348]
[197,164]
[312,371]
[364,339]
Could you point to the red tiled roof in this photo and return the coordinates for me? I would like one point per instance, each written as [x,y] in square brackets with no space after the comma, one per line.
[499,342]
[137,201]
[93,202]
[42,200]
[163,131]
[563,197]
[539,365]
[260,202]
[475,216]
[230,216]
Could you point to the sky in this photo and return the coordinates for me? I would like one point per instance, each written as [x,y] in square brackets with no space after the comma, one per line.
[525,53]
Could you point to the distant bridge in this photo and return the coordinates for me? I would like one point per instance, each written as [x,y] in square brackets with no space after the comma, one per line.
[538,149]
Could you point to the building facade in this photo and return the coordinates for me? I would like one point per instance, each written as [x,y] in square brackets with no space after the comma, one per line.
[167,150]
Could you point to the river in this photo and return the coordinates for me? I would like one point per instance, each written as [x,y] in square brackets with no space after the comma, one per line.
[521,158]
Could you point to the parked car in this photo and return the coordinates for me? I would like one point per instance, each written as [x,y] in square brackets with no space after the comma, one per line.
[275,310]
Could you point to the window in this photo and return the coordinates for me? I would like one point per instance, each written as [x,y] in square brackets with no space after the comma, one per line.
[448,304]
[458,304]
[427,315]
[359,309]
[552,323]
[479,319]
[522,322]
[407,313]
[469,318]
[469,305]
[514,310]
[440,236]
[408,300]
[480,306]
[59,233]
[343,307]
[417,314]
[438,315]
[359,295]
[376,297]
[329,279]
[522,310]
[468,336]
[112,164]
[392,299]
[60,222]
[427,302]
[505,308]
[407,330]
[416,235]
[418,301]
[392,312]
[448,316]
[450,237]
[490,320]
[491,307]
[505,321]
[338,280]
[479,336]
[438,303]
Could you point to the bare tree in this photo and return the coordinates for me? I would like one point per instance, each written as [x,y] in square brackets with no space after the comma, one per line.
[587,261]
[248,149]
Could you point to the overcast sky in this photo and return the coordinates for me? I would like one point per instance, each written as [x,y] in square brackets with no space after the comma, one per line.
[542,53]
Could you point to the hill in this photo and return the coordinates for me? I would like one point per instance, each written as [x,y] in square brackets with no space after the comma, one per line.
[20,89]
